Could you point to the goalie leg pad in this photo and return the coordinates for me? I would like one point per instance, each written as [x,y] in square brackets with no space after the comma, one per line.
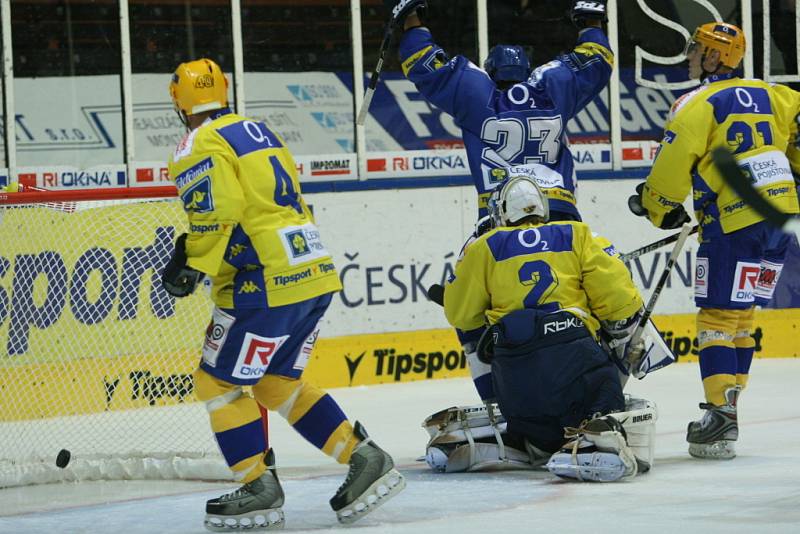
[473,438]
[600,451]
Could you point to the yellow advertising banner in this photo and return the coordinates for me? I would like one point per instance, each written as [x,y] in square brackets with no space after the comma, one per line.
[96,385]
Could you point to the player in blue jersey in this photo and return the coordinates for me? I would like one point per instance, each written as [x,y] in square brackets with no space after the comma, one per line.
[514,120]
[740,256]
[252,234]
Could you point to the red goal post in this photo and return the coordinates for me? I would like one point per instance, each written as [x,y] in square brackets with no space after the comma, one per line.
[95,357]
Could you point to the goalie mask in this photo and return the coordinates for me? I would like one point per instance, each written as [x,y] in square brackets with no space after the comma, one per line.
[507,63]
[198,86]
[725,38]
[516,198]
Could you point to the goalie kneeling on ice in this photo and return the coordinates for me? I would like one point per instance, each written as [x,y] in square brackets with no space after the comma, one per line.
[475,438]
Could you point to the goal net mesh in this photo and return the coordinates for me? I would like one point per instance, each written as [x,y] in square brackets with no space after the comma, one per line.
[95,357]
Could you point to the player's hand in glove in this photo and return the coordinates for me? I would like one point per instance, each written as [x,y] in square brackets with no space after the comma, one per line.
[178,279]
[674,218]
[400,9]
[585,13]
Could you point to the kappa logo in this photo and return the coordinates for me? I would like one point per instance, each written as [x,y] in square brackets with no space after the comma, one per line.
[249,287]
[553,327]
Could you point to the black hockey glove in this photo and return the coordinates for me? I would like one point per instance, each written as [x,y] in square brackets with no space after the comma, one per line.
[584,11]
[675,218]
[178,279]
[400,9]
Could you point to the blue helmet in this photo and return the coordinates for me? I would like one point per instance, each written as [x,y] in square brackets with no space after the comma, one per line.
[507,63]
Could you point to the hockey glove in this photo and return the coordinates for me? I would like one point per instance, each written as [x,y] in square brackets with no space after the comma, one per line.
[178,279]
[400,9]
[584,11]
[674,218]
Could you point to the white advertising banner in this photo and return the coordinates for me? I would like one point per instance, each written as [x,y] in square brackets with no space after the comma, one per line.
[81,132]
[391,245]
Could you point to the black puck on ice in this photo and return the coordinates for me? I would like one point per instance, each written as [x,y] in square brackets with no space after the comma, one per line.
[63,458]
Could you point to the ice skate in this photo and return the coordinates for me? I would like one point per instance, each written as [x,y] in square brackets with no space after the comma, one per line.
[255,506]
[371,481]
[599,452]
[714,435]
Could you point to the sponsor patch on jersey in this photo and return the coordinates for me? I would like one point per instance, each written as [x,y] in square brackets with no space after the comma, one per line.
[216,334]
[305,350]
[184,148]
[197,198]
[766,169]
[768,279]
[669,137]
[193,173]
[744,281]
[545,177]
[302,243]
[701,278]
[256,354]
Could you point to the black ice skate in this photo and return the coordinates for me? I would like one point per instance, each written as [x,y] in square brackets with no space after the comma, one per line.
[715,434]
[371,481]
[254,506]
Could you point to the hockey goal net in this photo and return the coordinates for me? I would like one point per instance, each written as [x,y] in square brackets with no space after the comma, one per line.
[95,357]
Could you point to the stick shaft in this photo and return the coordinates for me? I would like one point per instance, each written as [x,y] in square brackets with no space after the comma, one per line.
[376,75]
[662,281]
[655,245]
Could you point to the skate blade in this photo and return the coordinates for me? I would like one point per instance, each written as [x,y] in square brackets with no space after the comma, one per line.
[718,450]
[271,519]
[378,493]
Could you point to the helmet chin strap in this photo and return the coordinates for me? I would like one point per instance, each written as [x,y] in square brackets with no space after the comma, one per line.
[184,119]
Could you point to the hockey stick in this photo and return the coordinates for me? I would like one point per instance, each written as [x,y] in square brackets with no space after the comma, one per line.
[655,245]
[376,74]
[735,178]
[662,281]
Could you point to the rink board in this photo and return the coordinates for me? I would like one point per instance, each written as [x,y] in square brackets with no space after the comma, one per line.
[137,381]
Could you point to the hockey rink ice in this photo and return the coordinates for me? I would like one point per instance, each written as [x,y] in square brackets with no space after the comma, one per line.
[757,492]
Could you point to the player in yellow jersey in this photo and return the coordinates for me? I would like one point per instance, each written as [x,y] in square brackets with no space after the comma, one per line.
[545,290]
[252,234]
[740,256]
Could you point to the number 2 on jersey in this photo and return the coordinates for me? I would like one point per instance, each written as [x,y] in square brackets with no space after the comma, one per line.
[541,277]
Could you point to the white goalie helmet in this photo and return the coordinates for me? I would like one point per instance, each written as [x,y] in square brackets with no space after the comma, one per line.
[517,197]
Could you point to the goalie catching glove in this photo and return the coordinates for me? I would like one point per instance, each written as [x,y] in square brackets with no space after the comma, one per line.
[400,9]
[674,218]
[178,279]
[583,12]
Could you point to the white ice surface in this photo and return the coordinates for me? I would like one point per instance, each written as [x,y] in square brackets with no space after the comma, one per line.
[757,492]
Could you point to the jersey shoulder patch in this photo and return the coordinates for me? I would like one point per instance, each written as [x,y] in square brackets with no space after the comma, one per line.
[185,146]
[682,100]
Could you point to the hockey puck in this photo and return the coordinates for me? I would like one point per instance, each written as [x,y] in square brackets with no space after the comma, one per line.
[63,458]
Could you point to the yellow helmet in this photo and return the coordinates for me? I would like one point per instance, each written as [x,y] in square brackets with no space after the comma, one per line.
[198,86]
[727,39]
